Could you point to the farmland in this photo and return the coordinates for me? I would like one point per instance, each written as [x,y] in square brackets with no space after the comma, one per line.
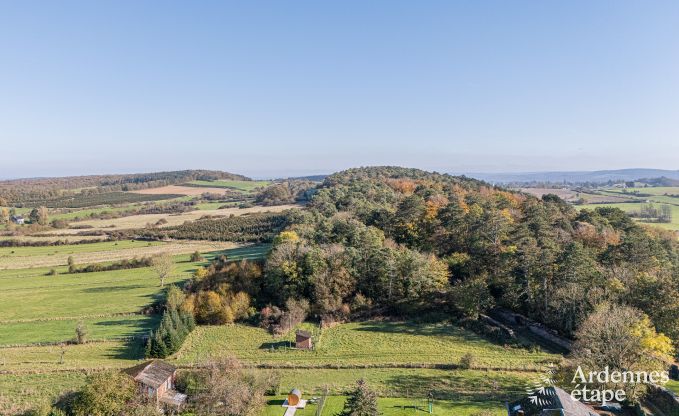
[39,313]
[50,256]
[244,186]
[181,190]
[655,196]
[369,343]
[140,221]
[95,199]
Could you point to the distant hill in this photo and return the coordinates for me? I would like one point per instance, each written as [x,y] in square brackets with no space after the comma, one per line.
[41,189]
[600,176]
[312,178]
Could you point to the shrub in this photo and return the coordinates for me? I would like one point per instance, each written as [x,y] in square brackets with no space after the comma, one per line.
[467,361]
[195,257]
[81,333]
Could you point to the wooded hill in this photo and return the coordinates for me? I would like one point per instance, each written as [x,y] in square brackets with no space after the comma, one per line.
[34,190]
[404,240]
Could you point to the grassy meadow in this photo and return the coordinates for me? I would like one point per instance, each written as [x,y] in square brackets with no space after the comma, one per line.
[394,407]
[244,186]
[631,207]
[358,344]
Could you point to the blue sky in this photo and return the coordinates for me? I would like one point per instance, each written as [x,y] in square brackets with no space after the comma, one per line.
[270,88]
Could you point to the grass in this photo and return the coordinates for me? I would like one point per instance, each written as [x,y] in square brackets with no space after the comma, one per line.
[81,295]
[67,250]
[244,186]
[36,308]
[658,190]
[18,391]
[31,295]
[473,385]
[673,385]
[393,407]
[51,256]
[358,344]
[87,213]
[63,330]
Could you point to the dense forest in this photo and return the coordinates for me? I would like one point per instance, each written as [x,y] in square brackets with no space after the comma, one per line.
[403,241]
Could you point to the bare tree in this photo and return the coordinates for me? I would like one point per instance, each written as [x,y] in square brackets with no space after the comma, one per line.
[163,265]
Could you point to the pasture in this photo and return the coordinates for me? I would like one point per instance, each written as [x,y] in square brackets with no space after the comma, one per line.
[243,186]
[99,252]
[373,343]
[389,406]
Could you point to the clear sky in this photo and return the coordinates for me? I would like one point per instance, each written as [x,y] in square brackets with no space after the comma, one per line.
[279,87]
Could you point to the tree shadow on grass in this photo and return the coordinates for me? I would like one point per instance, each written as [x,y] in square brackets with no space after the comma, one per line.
[132,349]
[275,402]
[456,386]
[274,345]
[134,326]
[105,289]
[412,328]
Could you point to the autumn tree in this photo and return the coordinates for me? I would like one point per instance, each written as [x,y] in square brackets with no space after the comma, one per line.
[39,216]
[227,385]
[105,394]
[81,332]
[623,339]
[163,265]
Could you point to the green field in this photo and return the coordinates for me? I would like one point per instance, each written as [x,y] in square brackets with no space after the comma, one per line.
[16,390]
[245,186]
[393,407]
[358,344]
[39,309]
[630,207]
[8,252]
[673,385]
[61,330]
[88,213]
[657,190]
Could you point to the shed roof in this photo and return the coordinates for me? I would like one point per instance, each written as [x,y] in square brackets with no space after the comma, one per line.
[570,406]
[152,373]
[301,333]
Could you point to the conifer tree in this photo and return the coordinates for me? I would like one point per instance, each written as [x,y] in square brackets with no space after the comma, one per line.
[361,402]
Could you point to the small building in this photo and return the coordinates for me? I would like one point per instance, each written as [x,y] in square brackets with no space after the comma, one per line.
[554,402]
[294,402]
[17,219]
[303,340]
[294,397]
[155,379]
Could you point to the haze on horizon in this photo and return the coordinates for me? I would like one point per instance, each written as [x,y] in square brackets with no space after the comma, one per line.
[281,89]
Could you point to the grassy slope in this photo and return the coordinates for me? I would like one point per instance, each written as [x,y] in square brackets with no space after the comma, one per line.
[393,407]
[105,328]
[30,295]
[9,252]
[245,186]
[366,343]
[39,308]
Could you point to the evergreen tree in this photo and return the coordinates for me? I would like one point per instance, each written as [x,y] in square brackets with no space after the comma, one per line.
[361,402]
